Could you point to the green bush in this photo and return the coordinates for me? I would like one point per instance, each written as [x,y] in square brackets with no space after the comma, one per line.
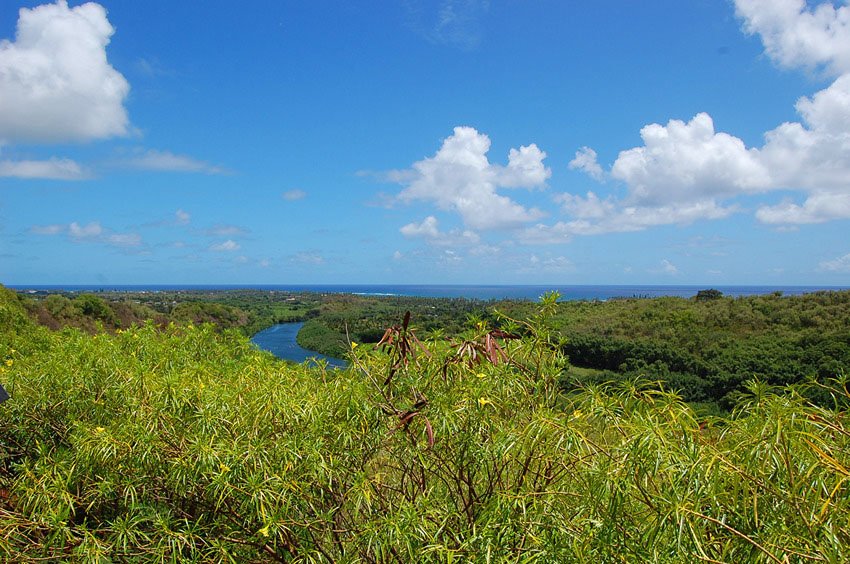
[315,336]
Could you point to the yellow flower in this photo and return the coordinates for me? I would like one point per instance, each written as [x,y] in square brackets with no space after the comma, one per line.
[483,401]
[99,429]
[10,362]
[353,345]
[223,467]
[264,531]
[481,375]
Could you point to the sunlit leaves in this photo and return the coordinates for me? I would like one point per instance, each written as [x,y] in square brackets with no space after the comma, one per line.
[186,444]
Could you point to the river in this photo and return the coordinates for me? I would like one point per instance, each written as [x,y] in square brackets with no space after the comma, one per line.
[280,341]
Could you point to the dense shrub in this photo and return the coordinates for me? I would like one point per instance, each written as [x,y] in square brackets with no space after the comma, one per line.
[187,444]
[316,336]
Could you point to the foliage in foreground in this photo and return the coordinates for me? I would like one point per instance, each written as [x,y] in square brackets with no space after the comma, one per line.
[189,445]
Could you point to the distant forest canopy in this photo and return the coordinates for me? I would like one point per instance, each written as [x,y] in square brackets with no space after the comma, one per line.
[705,347]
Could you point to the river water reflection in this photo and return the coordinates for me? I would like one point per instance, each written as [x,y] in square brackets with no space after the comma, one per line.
[280,341]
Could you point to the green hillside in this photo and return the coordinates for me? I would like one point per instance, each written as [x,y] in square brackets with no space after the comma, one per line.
[184,443]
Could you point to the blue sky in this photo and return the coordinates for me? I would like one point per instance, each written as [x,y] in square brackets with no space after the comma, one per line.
[505,142]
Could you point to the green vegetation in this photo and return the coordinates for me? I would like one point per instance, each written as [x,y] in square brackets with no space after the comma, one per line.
[89,312]
[363,319]
[185,443]
[316,336]
[706,348]
[249,311]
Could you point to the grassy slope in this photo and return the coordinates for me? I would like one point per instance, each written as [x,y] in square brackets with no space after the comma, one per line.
[188,444]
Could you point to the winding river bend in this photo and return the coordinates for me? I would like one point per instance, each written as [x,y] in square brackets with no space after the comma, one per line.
[280,341]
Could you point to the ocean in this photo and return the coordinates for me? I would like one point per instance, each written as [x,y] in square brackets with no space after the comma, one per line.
[480,292]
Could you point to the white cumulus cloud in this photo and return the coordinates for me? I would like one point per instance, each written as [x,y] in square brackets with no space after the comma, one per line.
[430,231]
[688,171]
[682,173]
[56,84]
[795,35]
[682,161]
[460,178]
[595,217]
[819,207]
[586,161]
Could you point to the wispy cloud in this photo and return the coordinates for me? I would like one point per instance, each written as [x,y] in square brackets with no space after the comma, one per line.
[451,22]
[182,217]
[92,232]
[226,230]
[548,264]
[227,246]
[667,267]
[124,239]
[151,68]
[89,231]
[840,264]
[53,229]
[293,195]
[308,258]
[51,169]
[166,161]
